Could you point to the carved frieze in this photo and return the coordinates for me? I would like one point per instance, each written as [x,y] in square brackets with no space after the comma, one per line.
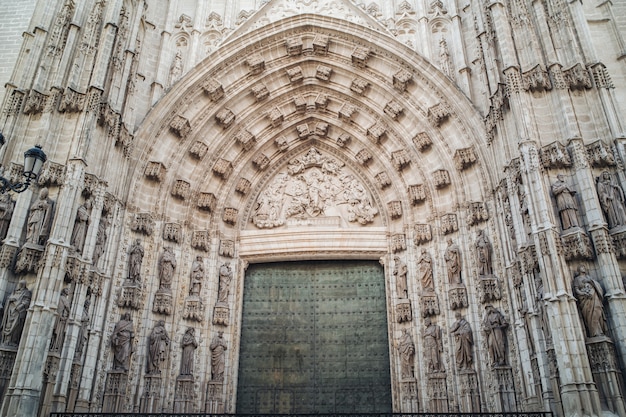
[260,92]
[198,149]
[52,173]
[600,154]
[344,140]
[320,44]
[323,72]
[359,85]
[376,132]
[422,141]
[200,239]
[401,80]
[393,109]
[346,112]
[457,297]
[476,213]
[225,118]
[464,158]
[36,102]
[143,223]
[181,189]
[395,209]
[438,114]
[256,63]
[423,233]
[577,245]
[180,126]
[213,89]
[360,56]
[536,79]
[577,77]
[227,248]
[293,46]
[173,232]
[449,223]
[441,178]
[243,186]
[230,215]
[281,143]
[155,171]
[222,168]
[276,117]
[363,156]
[555,155]
[245,139]
[403,311]
[401,159]
[207,201]
[383,180]
[429,304]
[398,242]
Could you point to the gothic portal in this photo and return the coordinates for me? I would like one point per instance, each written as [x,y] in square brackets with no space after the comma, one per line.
[449,173]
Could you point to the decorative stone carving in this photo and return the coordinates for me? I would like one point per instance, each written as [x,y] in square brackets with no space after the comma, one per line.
[198,149]
[323,72]
[346,112]
[72,101]
[399,272]
[403,311]
[494,326]
[173,232]
[39,219]
[181,189]
[488,289]
[360,56]
[611,198]
[294,46]
[230,215]
[81,223]
[395,209]
[16,172]
[276,117]
[393,109]
[260,92]
[14,316]
[464,158]
[243,186]
[303,130]
[423,233]
[565,203]
[180,126]
[256,63]
[281,143]
[213,89]
[452,256]
[477,213]
[320,44]
[577,77]
[438,114]
[227,248]
[406,349]
[295,74]
[7,255]
[122,340]
[429,304]
[377,132]
[441,178]
[383,180]
[167,265]
[536,79]
[601,76]
[359,85]
[600,155]
[158,342]
[401,80]
[422,141]
[463,342]
[225,118]
[300,102]
[155,171]
[130,296]
[577,245]
[36,102]
[207,201]
[398,242]
[555,155]
[200,239]
[193,309]
[400,159]
[222,168]
[218,356]
[449,223]
[189,345]
[417,194]
[143,223]
[590,296]
[343,140]
[245,139]
[433,347]
[363,156]
[51,174]
[320,129]
[90,184]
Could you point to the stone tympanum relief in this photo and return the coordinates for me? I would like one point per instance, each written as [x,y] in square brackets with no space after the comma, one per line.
[312,187]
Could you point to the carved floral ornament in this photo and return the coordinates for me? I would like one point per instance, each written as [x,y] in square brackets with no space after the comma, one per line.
[313,187]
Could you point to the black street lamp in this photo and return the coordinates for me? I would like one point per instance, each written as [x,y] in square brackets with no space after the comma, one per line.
[33,161]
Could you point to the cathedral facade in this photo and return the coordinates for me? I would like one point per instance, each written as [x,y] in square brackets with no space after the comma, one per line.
[314,206]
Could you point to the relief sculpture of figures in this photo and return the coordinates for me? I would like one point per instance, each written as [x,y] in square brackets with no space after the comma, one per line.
[226,275]
[495,326]
[167,265]
[63,313]
[197,276]
[134,264]
[14,317]
[464,342]
[565,203]
[483,252]
[452,256]
[122,343]
[40,219]
[425,271]
[406,347]
[218,357]
[590,296]
[157,347]
[432,346]
[189,347]
[400,272]
[81,223]
[6,211]
[612,200]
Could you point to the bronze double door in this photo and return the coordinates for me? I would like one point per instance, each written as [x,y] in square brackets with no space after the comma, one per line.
[314,339]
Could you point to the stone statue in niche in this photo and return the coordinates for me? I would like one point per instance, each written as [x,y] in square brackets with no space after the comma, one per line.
[565,203]
[81,223]
[425,271]
[452,256]
[40,219]
[167,265]
[464,342]
[189,345]
[483,252]
[83,331]
[406,348]
[612,200]
[218,357]
[157,348]
[122,343]
[6,212]
[101,240]
[226,275]
[135,260]
[590,296]
[400,271]
[14,316]
[432,346]
[495,325]
[313,185]
[63,313]
[197,276]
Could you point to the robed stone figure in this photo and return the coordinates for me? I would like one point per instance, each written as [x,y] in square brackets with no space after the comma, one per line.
[464,342]
[189,345]
[495,326]
[218,357]
[590,297]
[565,202]
[611,198]
[40,219]
[122,343]
[15,310]
[157,347]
